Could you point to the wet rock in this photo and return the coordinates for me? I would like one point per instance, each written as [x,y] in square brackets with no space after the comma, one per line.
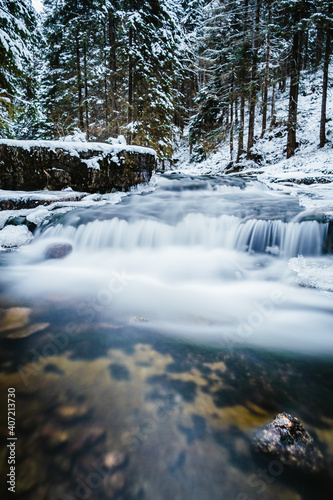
[14,318]
[54,437]
[87,438]
[58,251]
[55,492]
[28,476]
[72,413]
[62,463]
[27,331]
[119,372]
[286,439]
[115,459]
[112,485]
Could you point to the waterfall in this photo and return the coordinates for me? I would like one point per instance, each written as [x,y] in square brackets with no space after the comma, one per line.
[273,236]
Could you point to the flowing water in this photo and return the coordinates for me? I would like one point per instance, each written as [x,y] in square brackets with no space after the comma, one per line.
[173,331]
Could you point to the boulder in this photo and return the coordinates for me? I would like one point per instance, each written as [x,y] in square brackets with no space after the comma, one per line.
[58,251]
[89,167]
[286,440]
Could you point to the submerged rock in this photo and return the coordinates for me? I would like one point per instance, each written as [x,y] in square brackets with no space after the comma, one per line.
[115,459]
[58,251]
[87,439]
[285,439]
[72,413]
[113,485]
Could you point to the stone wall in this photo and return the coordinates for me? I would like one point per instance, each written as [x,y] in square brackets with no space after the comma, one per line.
[89,167]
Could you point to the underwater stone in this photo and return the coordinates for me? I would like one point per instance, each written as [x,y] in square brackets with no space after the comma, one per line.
[285,439]
[113,485]
[58,251]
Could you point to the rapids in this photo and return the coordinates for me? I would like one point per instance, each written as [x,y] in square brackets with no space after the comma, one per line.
[202,258]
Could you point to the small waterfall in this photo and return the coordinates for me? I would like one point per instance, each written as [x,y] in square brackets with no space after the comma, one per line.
[273,236]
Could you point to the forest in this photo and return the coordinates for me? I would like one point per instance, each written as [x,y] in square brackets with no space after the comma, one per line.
[152,69]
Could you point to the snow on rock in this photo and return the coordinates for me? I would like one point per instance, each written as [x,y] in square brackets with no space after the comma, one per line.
[14,236]
[74,148]
[83,166]
[315,272]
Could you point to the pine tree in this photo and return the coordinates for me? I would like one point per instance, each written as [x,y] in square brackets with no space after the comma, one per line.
[17,82]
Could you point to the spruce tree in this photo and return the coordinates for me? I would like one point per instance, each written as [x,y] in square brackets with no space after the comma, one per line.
[17,45]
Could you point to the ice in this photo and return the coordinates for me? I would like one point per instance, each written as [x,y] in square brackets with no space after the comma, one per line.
[314,272]
[14,236]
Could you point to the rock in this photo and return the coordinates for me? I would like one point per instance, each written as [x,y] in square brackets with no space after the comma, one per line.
[27,331]
[28,476]
[14,318]
[54,437]
[15,236]
[286,439]
[72,413]
[115,459]
[89,167]
[113,484]
[87,438]
[58,251]
[62,463]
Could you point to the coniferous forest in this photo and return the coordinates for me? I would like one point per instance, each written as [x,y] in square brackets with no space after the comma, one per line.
[150,69]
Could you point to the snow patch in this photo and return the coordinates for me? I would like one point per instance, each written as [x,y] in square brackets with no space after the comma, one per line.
[14,236]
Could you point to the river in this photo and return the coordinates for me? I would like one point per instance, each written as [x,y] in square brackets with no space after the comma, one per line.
[174,330]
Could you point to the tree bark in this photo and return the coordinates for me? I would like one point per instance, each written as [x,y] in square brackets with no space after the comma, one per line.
[241,128]
[265,96]
[86,104]
[273,115]
[293,95]
[232,121]
[322,135]
[113,69]
[130,83]
[79,79]
[254,78]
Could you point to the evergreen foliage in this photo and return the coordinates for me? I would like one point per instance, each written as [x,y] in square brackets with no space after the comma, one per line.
[147,69]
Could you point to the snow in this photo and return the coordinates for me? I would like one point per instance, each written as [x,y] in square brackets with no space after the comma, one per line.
[94,162]
[58,202]
[314,272]
[74,148]
[14,236]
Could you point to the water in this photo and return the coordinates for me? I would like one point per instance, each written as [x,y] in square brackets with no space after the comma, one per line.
[172,332]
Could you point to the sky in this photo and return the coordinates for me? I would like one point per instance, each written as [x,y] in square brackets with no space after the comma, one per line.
[37,4]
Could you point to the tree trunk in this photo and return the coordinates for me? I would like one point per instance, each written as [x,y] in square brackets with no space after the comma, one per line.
[242,77]
[130,83]
[113,69]
[86,105]
[293,95]
[273,115]
[319,44]
[254,78]
[241,128]
[232,121]
[265,96]
[79,79]
[322,137]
